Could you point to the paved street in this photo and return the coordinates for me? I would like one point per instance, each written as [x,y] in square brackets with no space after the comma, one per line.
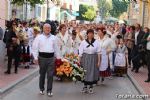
[70,91]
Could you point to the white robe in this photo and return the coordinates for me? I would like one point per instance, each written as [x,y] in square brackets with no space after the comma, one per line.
[106,45]
[64,43]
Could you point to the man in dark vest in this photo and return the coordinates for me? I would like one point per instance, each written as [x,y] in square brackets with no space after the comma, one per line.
[136,56]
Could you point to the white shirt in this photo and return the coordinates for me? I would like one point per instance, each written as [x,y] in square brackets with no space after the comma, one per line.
[47,44]
[136,35]
[148,44]
[89,50]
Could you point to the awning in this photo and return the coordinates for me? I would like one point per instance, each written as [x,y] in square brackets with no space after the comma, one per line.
[75,13]
[68,15]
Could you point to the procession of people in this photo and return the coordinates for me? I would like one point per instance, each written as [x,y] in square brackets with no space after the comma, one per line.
[104,50]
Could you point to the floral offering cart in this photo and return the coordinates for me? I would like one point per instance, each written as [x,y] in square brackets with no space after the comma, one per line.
[68,68]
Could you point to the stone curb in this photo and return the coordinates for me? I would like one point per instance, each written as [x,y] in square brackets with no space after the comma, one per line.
[136,85]
[11,86]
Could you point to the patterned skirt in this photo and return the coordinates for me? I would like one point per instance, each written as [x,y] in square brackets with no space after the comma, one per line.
[121,70]
[105,73]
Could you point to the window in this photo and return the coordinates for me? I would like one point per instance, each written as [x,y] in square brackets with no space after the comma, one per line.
[39,11]
[48,13]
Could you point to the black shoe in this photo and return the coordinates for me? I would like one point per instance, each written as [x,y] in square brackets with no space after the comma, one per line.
[84,90]
[27,67]
[147,80]
[132,69]
[120,75]
[41,92]
[137,71]
[16,72]
[91,90]
[102,80]
[7,72]
[50,94]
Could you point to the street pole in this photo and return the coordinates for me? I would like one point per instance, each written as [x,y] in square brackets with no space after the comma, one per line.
[47,9]
[143,14]
[26,11]
[129,11]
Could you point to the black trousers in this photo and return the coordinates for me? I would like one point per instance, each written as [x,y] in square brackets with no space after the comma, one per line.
[129,55]
[148,63]
[136,58]
[11,56]
[47,66]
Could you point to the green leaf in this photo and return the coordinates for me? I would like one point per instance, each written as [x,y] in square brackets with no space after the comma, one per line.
[32,2]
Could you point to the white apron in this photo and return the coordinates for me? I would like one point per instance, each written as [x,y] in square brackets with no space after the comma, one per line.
[120,60]
[104,60]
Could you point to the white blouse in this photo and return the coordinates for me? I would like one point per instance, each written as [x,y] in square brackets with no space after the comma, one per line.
[64,43]
[107,43]
[89,50]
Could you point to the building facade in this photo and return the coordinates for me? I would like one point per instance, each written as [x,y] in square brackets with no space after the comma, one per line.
[145,6]
[139,12]
[4,6]
[69,10]
[64,10]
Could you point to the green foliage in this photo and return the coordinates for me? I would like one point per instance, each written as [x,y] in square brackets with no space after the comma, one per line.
[104,7]
[119,6]
[86,13]
[32,2]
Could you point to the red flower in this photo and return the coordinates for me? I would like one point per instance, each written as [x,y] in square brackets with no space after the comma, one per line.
[58,62]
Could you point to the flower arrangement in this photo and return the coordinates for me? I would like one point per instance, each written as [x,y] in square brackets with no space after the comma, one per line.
[64,69]
[71,57]
[69,68]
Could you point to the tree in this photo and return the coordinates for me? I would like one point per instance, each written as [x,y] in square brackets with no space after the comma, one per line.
[32,2]
[104,7]
[119,7]
[86,13]
[89,15]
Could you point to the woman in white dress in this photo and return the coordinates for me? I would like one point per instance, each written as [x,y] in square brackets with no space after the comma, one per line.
[106,48]
[63,40]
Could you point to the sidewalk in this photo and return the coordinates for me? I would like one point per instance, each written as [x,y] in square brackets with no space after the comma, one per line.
[9,81]
[138,80]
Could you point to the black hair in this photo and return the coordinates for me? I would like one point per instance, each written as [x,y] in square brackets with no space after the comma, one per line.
[74,32]
[132,27]
[90,31]
[119,37]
